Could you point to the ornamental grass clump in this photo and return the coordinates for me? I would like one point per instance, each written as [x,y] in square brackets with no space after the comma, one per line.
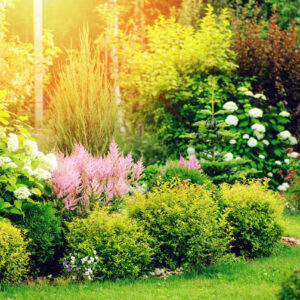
[83,105]
[81,180]
[253,214]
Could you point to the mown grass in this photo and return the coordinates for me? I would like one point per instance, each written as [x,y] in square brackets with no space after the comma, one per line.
[255,279]
[292,225]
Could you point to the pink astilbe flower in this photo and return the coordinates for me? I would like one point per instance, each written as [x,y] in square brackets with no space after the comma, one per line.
[193,162]
[182,161]
[81,178]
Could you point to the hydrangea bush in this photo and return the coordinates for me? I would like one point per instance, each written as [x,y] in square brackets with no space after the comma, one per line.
[263,136]
[81,180]
[23,169]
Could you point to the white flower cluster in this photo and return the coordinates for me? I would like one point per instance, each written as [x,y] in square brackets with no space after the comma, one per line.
[255,113]
[22,193]
[293,154]
[260,96]
[259,130]
[284,114]
[81,268]
[30,147]
[258,127]
[190,151]
[267,143]
[232,142]
[283,187]
[252,142]
[232,120]
[285,135]
[246,136]
[230,106]
[12,143]
[228,156]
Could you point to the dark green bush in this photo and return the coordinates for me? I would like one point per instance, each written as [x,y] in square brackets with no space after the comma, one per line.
[13,253]
[183,221]
[253,214]
[122,245]
[44,232]
[290,288]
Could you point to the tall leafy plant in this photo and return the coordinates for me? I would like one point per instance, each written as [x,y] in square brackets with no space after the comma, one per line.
[83,106]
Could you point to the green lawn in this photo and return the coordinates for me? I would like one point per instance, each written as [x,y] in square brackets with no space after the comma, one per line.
[293,225]
[257,279]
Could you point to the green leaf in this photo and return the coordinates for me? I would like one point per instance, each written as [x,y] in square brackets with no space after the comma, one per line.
[18,204]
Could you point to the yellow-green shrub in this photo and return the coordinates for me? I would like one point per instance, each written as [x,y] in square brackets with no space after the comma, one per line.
[253,213]
[13,255]
[120,243]
[183,221]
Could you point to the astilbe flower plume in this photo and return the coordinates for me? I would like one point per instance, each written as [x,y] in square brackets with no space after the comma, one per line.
[80,177]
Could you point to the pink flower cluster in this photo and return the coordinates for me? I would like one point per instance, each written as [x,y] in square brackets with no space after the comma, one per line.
[192,163]
[80,177]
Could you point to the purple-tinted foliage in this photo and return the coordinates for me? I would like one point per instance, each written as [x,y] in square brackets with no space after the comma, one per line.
[81,177]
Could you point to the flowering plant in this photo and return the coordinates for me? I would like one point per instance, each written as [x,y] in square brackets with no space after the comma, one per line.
[23,169]
[80,267]
[263,137]
[291,180]
[81,180]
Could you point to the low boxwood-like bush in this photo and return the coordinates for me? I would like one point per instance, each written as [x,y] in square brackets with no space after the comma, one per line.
[253,213]
[121,244]
[13,253]
[290,288]
[44,232]
[183,221]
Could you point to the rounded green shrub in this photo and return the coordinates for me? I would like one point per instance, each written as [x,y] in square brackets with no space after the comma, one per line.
[13,253]
[184,224]
[44,232]
[290,288]
[253,214]
[122,245]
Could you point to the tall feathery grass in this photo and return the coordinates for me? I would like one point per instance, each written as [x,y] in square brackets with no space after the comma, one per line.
[83,106]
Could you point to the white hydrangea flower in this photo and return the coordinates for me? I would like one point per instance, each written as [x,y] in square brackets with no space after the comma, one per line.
[293,154]
[246,136]
[278,162]
[255,113]
[22,192]
[258,135]
[258,127]
[260,96]
[252,142]
[248,93]
[285,134]
[232,120]
[12,142]
[228,156]
[287,161]
[284,114]
[261,156]
[267,143]
[190,151]
[48,161]
[232,142]
[4,160]
[230,105]
[293,140]
[41,174]
[11,165]
[237,158]
[30,147]
[242,89]
[283,187]
[270,174]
